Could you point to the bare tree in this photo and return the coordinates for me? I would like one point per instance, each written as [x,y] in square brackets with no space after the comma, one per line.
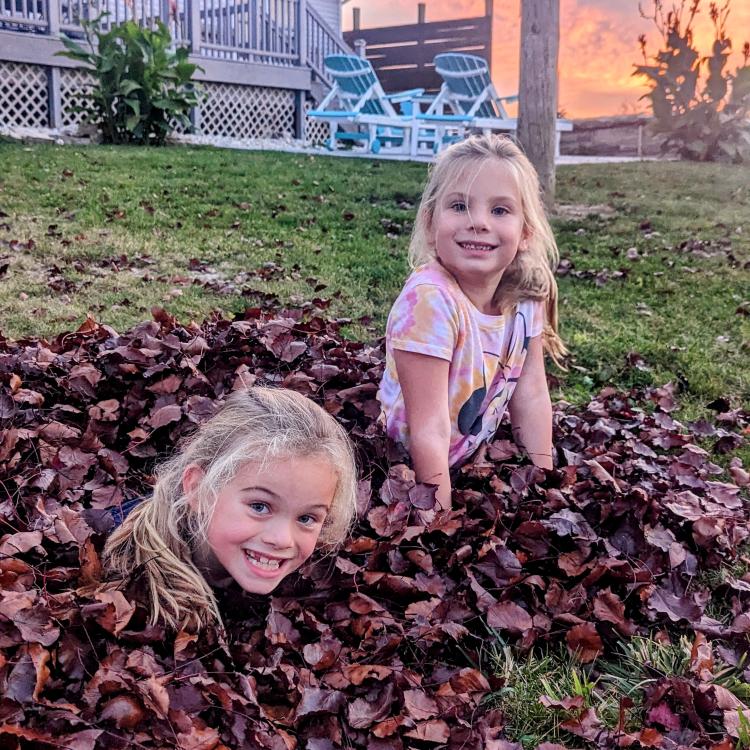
[540,39]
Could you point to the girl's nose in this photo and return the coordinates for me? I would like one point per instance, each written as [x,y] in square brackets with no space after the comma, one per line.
[278,533]
[479,220]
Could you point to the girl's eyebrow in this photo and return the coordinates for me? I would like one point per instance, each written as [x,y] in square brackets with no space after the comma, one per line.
[493,199]
[260,488]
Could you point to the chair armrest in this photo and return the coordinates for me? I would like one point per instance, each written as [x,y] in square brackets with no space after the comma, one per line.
[446,118]
[331,114]
[511,98]
[400,96]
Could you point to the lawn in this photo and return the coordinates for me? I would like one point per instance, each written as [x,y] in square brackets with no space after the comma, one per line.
[596,585]
[654,279]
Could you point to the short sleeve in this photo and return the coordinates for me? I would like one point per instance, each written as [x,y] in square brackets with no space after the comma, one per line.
[537,318]
[424,319]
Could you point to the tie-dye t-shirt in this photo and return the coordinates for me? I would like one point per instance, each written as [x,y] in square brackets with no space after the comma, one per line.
[433,316]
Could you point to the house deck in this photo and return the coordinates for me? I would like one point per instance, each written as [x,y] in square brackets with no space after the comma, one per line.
[262,60]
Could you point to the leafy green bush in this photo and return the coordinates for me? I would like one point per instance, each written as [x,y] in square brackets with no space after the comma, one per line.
[143,86]
[704,118]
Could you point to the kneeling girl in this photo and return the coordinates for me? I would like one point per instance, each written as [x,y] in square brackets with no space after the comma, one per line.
[466,338]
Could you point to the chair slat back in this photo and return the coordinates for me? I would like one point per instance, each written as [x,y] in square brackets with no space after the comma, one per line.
[467,77]
[354,77]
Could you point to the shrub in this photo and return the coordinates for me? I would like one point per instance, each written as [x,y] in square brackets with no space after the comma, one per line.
[143,87]
[703,117]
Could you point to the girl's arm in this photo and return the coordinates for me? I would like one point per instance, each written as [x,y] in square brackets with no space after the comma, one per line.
[531,408]
[424,383]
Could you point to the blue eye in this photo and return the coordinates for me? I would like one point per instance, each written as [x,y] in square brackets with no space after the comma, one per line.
[259,507]
[500,211]
[458,206]
[308,520]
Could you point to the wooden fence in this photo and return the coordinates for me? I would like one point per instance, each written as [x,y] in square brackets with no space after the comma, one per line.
[402,55]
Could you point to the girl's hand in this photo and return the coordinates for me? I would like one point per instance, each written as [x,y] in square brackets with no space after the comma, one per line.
[531,408]
[424,383]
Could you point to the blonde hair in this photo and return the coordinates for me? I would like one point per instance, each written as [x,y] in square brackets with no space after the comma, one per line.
[530,275]
[159,536]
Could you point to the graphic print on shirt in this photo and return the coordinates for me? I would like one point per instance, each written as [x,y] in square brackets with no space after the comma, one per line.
[471,416]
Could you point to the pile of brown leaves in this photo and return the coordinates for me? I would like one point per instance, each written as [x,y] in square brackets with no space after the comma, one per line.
[381,647]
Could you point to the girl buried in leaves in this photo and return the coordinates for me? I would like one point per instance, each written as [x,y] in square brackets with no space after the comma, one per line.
[246,500]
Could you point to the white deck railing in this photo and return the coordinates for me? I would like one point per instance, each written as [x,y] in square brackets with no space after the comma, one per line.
[321,40]
[275,32]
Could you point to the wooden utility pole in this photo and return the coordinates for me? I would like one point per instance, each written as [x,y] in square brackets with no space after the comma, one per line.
[537,110]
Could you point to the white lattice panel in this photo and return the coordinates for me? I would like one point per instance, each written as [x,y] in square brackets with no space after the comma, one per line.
[73,85]
[247,111]
[23,95]
[316,131]
[177,128]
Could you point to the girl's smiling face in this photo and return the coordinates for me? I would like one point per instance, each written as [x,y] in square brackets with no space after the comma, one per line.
[478,223]
[267,520]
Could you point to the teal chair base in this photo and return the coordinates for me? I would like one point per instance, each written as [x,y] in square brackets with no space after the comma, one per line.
[393,139]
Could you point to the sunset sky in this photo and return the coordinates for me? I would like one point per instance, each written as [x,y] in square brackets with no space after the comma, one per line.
[598,44]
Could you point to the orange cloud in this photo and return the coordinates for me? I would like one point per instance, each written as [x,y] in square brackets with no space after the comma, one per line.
[598,44]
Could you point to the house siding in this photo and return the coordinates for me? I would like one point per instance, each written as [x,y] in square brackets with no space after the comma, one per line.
[331,12]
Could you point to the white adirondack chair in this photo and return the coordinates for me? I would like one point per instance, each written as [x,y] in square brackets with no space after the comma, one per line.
[468,102]
[361,113]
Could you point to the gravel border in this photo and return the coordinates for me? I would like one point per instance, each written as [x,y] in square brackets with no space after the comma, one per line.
[72,136]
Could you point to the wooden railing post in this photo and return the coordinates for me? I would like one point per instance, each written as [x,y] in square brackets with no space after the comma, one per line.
[53,72]
[302,31]
[164,15]
[193,11]
[53,17]
[356,18]
[302,51]
[421,12]
[194,35]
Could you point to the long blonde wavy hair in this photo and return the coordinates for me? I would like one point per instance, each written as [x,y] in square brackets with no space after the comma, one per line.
[531,274]
[160,536]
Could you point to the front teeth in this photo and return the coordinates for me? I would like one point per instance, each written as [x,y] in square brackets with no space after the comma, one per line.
[263,562]
[470,246]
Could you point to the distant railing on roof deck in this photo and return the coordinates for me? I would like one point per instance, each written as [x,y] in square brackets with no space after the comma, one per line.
[260,31]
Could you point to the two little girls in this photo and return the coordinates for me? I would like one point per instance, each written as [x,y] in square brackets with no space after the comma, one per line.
[271,476]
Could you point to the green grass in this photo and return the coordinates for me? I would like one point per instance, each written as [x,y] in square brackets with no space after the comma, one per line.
[641,663]
[345,223]
[716,579]
[554,674]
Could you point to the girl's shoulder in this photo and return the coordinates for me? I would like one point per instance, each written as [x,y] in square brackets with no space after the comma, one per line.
[530,306]
[531,313]
[429,287]
[120,512]
[434,275]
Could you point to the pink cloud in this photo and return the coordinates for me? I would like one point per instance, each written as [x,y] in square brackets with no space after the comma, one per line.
[598,44]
